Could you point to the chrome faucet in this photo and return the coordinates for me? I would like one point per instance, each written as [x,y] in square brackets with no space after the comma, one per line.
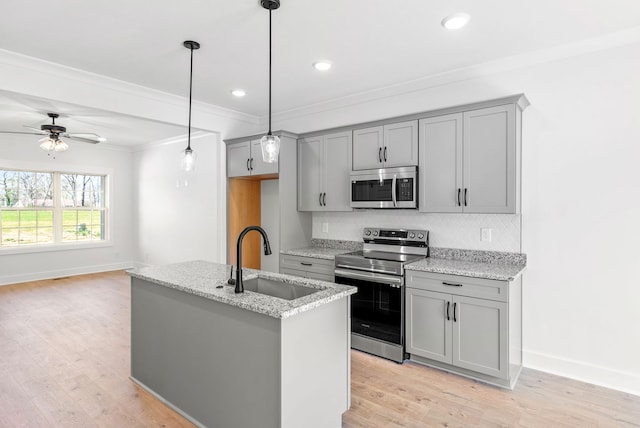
[267,250]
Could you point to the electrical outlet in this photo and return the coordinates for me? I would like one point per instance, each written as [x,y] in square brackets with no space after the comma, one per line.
[325,227]
[485,234]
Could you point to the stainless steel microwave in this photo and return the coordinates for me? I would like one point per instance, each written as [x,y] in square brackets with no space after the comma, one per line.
[385,188]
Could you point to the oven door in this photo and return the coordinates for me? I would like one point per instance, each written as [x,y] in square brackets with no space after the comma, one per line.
[377,309]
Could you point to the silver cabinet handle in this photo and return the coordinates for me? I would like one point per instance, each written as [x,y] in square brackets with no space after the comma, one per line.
[451,284]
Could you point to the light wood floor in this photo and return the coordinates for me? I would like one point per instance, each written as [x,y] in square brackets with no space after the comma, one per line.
[64,362]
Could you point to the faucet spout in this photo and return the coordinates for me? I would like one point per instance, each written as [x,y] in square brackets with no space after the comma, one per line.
[267,251]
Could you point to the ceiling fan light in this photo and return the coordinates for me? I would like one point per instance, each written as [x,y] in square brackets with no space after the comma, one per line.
[60,146]
[48,144]
[188,160]
[270,145]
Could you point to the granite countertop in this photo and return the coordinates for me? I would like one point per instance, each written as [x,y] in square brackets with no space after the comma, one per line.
[317,252]
[498,271]
[201,278]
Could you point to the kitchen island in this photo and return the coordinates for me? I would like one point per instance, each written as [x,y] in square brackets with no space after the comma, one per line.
[240,360]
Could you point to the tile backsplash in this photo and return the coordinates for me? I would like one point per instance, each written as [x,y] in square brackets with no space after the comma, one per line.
[446,230]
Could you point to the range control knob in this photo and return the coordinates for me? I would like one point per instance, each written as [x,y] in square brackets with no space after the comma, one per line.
[412,235]
[367,232]
[375,233]
[420,236]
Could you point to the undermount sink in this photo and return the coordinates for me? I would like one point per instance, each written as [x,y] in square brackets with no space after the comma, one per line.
[279,289]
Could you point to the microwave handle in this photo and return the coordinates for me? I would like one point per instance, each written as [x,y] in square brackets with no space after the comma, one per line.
[393,190]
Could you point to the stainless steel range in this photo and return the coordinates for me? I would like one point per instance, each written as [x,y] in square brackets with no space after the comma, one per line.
[377,309]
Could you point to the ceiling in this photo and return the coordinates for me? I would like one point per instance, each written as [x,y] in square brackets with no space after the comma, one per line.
[371,43]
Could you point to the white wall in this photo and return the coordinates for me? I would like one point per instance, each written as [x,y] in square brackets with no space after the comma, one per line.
[18,151]
[180,216]
[581,210]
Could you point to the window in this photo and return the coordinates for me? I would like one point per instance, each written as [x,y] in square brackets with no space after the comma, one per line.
[51,208]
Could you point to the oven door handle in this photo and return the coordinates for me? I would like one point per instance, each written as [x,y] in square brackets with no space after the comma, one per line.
[395,281]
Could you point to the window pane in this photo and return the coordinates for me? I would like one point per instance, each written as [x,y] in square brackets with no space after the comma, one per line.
[44,190]
[28,219]
[10,236]
[10,219]
[45,235]
[45,218]
[28,235]
[69,217]
[9,189]
[82,190]
[69,234]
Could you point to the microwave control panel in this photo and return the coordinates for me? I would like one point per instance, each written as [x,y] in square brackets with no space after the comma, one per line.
[404,191]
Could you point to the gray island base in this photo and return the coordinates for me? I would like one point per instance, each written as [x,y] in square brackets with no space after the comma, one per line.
[200,350]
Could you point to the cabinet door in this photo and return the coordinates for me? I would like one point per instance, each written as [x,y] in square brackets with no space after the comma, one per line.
[480,336]
[310,161]
[238,158]
[440,170]
[400,144]
[367,148]
[337,166]
[428,330]
[258,166]
[490,160]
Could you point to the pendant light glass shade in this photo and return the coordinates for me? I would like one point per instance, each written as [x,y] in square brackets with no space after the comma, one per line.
[270,145]
[188,159]
[48,144]
[61,146]
[53,144]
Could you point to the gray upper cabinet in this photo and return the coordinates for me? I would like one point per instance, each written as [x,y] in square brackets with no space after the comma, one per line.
[324,164]
[245,159]
[390,145]
[469,162]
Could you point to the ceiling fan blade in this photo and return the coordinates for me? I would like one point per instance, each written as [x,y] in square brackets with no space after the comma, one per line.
[36,129]
[25,133]
[87,135]
[84,140]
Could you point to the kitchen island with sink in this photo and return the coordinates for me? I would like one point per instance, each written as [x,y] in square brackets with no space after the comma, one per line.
[241,360]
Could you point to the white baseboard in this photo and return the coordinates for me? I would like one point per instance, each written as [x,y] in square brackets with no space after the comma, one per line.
[60,273]
[585,372]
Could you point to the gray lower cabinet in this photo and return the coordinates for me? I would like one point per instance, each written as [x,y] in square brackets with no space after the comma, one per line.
[470,161]
[307,267]
[245,159]
[324,164]
[469,326]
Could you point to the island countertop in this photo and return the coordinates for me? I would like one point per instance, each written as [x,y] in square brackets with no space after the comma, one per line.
[202,278]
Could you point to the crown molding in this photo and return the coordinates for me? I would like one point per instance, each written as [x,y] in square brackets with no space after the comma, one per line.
[528,59]
[118,88]
[180,139]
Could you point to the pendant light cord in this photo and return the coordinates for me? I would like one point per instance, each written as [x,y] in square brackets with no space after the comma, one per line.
[269,133]
[190,89]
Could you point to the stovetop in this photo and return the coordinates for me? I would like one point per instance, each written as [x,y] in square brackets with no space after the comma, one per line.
[384,255]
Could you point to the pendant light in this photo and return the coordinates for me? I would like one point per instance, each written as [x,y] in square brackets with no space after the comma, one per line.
[188,161]
[270,143]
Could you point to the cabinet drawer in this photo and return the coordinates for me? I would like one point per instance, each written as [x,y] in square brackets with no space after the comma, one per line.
[308,264]
[459,285]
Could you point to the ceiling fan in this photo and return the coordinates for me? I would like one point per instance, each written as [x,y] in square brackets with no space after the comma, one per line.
[53,132]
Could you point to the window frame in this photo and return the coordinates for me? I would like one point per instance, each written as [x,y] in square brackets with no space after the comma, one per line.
[58,170]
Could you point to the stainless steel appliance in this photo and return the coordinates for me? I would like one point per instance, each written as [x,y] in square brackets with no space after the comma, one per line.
[385,188]
[377,309]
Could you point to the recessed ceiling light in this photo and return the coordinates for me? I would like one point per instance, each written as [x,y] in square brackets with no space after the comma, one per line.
[322,65]
[456,21]
[238,92]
